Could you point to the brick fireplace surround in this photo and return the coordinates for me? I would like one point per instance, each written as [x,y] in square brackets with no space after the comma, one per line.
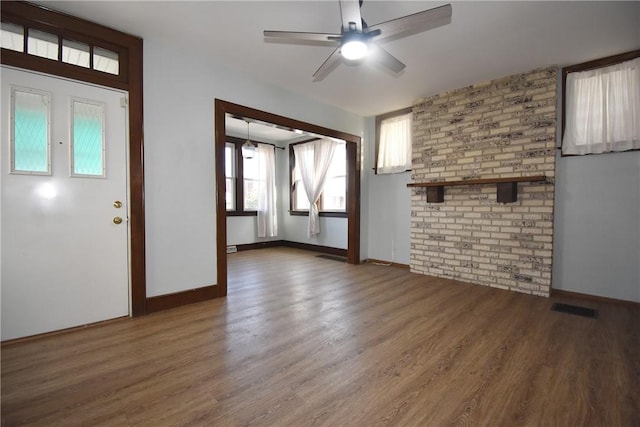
[497,129]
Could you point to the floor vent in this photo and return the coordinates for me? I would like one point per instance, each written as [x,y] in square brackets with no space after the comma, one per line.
[232,249]
[574,309]
[333,257]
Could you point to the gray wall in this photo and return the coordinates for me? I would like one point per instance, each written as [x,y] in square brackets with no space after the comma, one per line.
[597,225]
[179,89]
[388,227]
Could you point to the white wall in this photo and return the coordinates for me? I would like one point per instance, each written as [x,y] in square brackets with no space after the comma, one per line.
[597,225]
[179,91]
[389,208]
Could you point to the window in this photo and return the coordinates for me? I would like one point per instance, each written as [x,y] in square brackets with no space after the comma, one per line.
[333,199]
[241,199]
[75,53]
[47,45]
[230,175]
[106,61]
[12,36]
[42,44]
[602,105]
[250,183]
[393,142]
[30,144]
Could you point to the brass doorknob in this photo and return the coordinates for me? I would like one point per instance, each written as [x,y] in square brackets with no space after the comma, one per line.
[117,204]
[117,220]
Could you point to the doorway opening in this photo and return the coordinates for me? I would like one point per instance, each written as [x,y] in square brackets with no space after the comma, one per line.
[224,108]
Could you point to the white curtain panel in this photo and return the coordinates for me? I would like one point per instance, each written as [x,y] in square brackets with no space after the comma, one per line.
[603,109]
[394,149]
[267,203]
[313,159]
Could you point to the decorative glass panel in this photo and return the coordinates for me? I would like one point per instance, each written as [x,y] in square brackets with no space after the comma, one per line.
[30,131]
[42,44]
[87,143]
[75,53]
[12,36]
[106,61]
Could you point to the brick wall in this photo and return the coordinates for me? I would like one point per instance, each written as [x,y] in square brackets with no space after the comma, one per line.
[501,128]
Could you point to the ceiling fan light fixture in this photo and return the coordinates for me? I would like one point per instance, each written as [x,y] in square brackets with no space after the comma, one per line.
[354,49]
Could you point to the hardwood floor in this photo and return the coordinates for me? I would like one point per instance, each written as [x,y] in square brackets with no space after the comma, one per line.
[302,340]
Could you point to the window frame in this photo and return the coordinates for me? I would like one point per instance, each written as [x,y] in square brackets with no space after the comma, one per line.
[24,59]
[238,164]
[328,214]
[587,66]
[379,119]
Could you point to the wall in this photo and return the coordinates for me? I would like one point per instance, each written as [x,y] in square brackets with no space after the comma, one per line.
[179,90]
[502,128]
[389,205]
[597,241]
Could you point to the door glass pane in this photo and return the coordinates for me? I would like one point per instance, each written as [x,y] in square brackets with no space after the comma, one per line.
[12,36]
[75,53]
[30,131]
[106,61]
[42,44]
[87,139]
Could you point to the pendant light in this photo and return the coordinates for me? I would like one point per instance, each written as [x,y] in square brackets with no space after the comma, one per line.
[248,148]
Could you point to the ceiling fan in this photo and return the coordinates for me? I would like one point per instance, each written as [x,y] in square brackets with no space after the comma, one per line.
[358,40]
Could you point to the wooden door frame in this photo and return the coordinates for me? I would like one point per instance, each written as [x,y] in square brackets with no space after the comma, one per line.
[222,108]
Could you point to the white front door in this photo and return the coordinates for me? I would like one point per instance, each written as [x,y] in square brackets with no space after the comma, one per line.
[64,254]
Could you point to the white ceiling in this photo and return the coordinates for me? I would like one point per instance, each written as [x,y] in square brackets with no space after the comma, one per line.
[485,40]
[262,132]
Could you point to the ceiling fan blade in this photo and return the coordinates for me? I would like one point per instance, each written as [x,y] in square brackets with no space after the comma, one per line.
[412,24]
[351,18]
[294,36]
[385,59]
[328,65]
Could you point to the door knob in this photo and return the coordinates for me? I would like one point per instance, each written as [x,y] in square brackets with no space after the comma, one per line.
[117,204]
[117,220]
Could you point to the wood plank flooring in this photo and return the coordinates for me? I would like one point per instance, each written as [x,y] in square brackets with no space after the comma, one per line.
[302,340]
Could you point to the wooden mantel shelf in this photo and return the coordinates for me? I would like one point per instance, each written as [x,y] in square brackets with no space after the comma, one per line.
[507,188]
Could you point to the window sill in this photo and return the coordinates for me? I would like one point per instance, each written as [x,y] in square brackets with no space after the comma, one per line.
[242,213]
[324,214]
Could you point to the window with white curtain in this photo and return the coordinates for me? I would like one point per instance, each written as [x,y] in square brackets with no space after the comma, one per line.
[602,109]
[244,178]
[334,193]
[394,142]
